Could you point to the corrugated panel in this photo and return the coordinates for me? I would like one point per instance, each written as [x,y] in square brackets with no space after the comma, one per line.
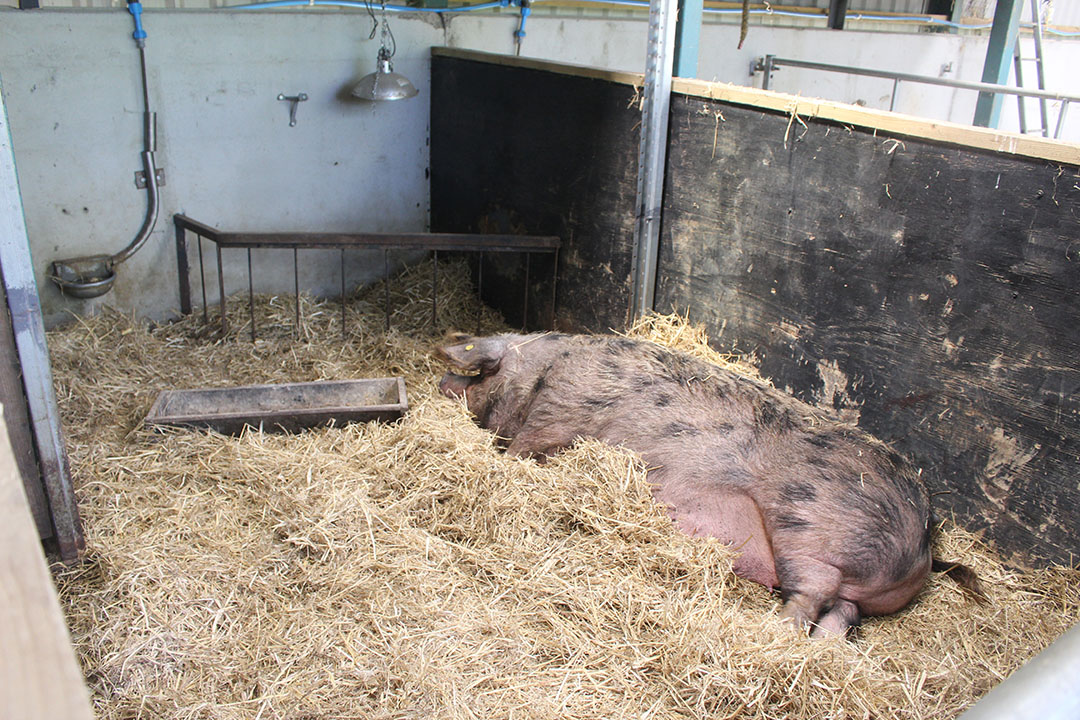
[907,7]
[895,6]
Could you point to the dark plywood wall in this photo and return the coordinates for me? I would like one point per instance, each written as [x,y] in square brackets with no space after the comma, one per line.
[928,290]
[932,291]
[533,152]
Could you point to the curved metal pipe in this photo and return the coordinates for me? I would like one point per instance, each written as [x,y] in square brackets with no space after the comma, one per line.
[149,145]
[151,212]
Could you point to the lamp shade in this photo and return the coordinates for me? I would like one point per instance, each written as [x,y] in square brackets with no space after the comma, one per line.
[384,84]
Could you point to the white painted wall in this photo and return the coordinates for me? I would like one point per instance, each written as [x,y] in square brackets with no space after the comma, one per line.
[72,90]
[71,86]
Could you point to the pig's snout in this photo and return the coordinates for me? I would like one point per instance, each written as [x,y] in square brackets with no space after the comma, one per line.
[454,386]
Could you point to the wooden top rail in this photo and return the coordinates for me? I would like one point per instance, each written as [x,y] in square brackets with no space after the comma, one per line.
[380,241]
[980,138]
[467,242]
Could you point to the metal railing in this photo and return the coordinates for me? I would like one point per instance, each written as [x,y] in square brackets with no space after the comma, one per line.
[447,242]
[770,63]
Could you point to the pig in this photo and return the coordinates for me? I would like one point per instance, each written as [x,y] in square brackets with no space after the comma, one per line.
[839,523]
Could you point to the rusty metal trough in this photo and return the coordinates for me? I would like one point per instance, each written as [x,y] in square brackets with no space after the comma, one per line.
[288,406]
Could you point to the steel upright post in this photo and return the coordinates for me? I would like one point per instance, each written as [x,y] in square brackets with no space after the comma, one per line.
[998,56]
[652,153]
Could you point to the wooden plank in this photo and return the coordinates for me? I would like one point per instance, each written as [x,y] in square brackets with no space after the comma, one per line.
[40,678]
[519,150]
[932,290]
[907,125]
[805,108]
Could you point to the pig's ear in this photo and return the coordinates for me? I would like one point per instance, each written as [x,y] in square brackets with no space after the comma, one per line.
[471,354]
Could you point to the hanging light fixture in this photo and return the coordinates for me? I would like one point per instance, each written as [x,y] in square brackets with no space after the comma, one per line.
[384,83]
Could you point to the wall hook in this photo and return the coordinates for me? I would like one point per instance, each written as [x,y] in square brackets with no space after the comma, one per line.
[293,101]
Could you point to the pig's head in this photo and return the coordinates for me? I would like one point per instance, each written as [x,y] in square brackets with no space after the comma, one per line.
[474,360]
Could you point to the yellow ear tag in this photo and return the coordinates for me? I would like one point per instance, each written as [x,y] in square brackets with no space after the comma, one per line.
[469,347]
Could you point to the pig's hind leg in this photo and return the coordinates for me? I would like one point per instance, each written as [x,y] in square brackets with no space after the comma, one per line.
[840,618]
[731,516]
[811,592]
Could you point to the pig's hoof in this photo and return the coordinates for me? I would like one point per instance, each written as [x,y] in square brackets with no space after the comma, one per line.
[800,611]
[841,620]
[795,619]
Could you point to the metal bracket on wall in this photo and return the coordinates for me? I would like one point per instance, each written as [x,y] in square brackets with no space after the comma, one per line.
[140,178]
[293,101]
[764,65]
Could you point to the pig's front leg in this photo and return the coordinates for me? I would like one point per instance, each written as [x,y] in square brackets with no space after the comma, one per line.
[538,441]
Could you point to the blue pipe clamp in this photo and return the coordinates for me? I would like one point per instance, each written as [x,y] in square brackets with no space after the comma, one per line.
[526,9]
[135,8]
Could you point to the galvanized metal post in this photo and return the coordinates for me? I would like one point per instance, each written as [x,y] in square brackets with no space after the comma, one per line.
[1040,76]
[768,67]
[998,55]
[652,153]
[28,327]
[688,37]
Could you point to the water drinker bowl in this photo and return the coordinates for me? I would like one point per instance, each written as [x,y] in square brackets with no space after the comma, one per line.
[85,277]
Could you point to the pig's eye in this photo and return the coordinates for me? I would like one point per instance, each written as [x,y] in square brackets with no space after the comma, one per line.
[469,347]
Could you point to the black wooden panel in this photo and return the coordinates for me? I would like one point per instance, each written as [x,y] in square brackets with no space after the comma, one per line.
[525,151]
[935,290]
[931,290]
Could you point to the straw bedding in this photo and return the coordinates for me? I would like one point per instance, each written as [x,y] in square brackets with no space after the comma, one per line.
[411,570]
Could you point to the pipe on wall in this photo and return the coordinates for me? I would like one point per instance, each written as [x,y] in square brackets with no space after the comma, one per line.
[643,5]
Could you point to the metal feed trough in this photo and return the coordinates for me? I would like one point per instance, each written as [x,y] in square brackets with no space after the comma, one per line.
[288,406]
[448,242]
